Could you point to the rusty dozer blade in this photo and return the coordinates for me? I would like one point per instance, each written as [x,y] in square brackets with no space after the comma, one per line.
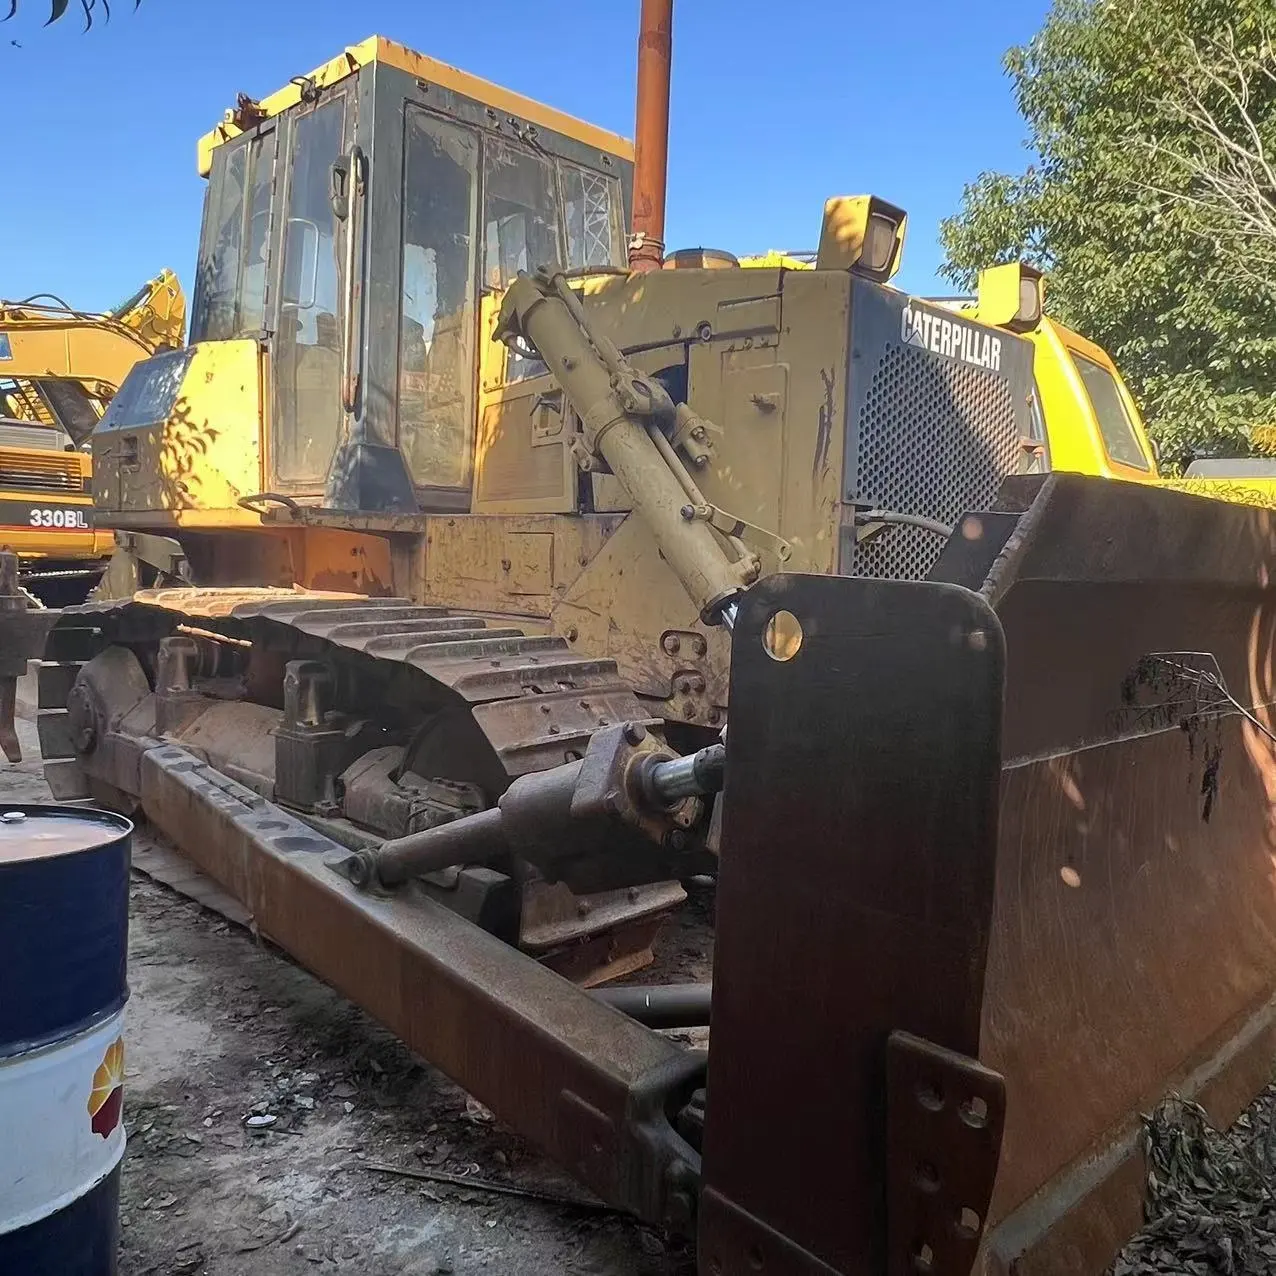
[960,946]
[1133,948]
[850,1129]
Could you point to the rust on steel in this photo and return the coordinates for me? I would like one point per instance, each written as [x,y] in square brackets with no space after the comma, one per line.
[895,689]
[1133,950]
[457,995]
[651,135]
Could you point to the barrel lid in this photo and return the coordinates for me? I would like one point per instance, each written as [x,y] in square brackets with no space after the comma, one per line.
[35,833]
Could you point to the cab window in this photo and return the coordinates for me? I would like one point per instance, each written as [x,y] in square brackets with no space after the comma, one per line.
[307,347]
[75,407]
[1119,435]
[592,218]
[231,277]
[437,313]
[520,213]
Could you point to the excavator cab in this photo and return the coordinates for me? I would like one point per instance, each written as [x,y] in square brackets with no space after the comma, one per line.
[354,224]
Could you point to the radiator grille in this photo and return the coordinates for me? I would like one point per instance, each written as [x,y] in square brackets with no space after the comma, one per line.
[936,437]
[39,471]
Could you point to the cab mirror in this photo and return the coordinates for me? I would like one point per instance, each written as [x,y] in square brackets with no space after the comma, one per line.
[301,263]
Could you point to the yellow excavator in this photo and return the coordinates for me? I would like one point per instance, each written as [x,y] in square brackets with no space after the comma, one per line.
[493,521]
[59,369]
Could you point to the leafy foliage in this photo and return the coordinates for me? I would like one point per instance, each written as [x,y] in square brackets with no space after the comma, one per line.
[58,9]
[1210,1207]
[1152,203]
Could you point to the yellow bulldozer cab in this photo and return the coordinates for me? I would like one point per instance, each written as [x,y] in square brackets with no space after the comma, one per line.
[1093,424]
[360,284]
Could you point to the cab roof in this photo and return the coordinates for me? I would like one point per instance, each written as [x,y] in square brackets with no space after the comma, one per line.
[378,49]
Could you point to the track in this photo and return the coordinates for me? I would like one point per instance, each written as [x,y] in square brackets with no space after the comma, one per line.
[473,701]
[535,701]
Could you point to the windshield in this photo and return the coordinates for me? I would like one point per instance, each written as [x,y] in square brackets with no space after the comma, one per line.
[1119,435]
[75,407]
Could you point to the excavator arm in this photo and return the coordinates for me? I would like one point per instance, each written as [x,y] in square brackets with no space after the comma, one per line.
[41,342]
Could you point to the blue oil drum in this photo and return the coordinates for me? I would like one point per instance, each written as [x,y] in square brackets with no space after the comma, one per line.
[63,952]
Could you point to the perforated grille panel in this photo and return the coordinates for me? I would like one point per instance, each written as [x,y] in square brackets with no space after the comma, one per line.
[935,437]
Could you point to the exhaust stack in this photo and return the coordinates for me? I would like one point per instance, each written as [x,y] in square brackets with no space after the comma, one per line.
[651,135]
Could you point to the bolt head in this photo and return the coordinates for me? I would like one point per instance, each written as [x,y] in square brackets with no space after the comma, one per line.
[635,733]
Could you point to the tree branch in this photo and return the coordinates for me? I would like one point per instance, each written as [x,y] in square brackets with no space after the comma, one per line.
[1216,156]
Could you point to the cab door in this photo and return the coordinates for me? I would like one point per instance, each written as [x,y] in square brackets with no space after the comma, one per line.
[309,321]
[437,318]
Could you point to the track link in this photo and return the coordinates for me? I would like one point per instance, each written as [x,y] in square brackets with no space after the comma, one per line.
[535,700]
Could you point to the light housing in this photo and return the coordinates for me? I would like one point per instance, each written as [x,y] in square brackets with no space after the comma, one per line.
[1012,296]
[862,233]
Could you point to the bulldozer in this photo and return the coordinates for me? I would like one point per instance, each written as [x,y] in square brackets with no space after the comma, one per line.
[529,580]
[59,368]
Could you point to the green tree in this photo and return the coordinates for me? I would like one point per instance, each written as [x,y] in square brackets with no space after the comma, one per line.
[1152,203]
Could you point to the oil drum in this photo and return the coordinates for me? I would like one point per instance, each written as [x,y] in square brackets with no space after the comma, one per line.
[63,951]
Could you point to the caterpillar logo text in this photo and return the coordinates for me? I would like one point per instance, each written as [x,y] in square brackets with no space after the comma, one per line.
[939,334]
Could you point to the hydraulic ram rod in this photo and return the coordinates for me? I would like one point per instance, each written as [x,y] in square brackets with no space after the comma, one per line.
[615,405]
[487,835]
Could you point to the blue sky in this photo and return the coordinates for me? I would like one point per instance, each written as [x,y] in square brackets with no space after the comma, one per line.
[775,107]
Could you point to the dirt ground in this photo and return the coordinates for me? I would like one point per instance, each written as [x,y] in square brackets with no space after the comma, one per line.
[221,1028]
